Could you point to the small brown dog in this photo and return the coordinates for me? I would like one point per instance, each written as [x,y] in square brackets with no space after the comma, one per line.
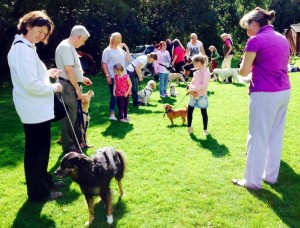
[172,114]
[85,101]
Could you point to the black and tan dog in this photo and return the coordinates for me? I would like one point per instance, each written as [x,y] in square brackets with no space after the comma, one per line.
[93,174]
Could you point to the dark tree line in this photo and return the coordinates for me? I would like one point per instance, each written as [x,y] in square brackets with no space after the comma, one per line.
[139,21]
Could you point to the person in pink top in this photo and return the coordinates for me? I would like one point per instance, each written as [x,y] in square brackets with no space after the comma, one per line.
[178,56]
[198,91]
[227,51]
[266,56]
[122,90]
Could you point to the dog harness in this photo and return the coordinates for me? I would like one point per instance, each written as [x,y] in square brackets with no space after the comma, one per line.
[148,90]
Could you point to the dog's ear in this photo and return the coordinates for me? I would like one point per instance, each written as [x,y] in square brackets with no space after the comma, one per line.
[91,92]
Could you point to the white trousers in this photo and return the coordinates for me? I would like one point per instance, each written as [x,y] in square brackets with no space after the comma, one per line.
[267,114]
[226,64]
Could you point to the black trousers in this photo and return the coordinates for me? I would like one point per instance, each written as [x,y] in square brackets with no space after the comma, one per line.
[203,113]
[178,67]
[122,103]
[134,88]
[37,150]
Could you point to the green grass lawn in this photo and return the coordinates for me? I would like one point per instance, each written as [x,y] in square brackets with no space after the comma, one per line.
[172,179]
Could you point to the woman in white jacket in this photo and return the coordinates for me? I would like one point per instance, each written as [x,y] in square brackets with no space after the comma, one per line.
[34,102]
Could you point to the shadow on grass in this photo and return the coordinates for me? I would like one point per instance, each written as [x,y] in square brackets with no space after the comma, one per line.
[177,125]
[139,110]
[169,100]
[119,210]
[29,215]
[238,84]
[286,203]
[117,129]
[209,93]
[211,144]
[233,83]
[182,85]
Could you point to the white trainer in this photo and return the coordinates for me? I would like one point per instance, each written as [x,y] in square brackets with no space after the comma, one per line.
[112,117]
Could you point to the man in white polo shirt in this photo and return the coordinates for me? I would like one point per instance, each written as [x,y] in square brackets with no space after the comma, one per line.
[67,60]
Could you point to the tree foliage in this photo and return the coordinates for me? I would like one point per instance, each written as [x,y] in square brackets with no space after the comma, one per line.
[140,21]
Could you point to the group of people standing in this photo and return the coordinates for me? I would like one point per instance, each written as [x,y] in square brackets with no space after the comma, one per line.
[266,56]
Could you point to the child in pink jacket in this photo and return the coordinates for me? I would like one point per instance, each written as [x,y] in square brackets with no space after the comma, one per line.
[198,91]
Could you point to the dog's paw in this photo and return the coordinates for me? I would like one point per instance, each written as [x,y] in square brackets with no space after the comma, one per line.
[87,223]
[122,194]
[110,219]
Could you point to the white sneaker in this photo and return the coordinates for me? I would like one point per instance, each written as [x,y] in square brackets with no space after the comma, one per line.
[112,117]
[205,132]
[128,119]
[124,120]
[190,130]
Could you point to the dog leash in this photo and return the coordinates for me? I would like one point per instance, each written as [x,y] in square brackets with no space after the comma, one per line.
[60,98]
[176,104]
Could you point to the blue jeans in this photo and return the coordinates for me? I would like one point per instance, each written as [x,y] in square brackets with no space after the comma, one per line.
[113,99]
[163,82]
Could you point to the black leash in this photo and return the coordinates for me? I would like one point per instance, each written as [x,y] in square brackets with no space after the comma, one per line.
[63,103]
[177,104]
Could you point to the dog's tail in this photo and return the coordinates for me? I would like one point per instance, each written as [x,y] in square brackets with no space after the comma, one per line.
[121,169]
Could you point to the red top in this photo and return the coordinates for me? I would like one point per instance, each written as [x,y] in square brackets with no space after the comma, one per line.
[180,52]
[122,85]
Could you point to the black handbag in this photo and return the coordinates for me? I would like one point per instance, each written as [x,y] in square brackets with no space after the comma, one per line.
[59,108]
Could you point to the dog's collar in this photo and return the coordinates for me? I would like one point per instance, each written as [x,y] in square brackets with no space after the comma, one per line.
[148,88]
[86,113]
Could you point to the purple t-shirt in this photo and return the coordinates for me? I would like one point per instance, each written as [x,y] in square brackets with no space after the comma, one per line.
[269,70]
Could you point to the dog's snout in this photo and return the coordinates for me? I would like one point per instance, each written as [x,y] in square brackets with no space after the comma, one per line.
[57,171]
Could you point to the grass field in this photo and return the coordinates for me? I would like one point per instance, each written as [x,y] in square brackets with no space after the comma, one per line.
[172,179]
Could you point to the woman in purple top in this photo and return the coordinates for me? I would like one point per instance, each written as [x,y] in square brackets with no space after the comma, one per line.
[266,56]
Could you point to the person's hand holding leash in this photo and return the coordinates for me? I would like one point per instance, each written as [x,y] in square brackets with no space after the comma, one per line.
[58,87]
[79,93]
[54,73]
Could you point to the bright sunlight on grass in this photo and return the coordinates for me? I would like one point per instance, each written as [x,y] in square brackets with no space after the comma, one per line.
[172,179]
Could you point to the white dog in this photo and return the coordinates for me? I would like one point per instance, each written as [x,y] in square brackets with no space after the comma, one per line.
[226,73]
[173,92]
[144,95]
[176,76]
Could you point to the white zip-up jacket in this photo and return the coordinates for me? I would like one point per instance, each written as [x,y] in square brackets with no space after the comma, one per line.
[32,89]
